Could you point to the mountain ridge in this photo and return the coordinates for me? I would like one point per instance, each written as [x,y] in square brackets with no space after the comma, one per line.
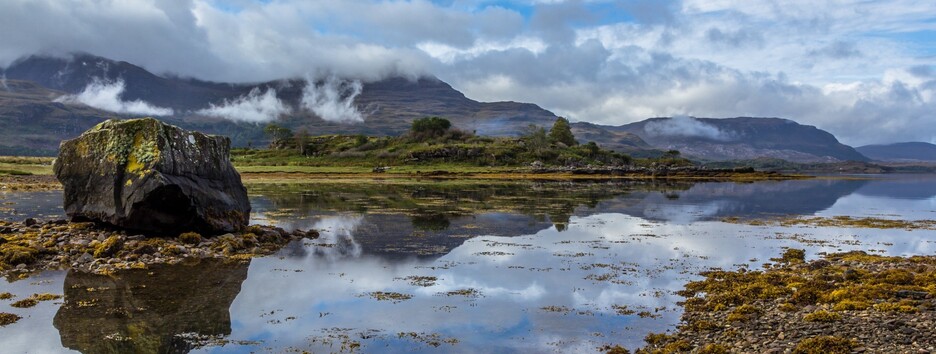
[390,105]
[742,138]
[905,151]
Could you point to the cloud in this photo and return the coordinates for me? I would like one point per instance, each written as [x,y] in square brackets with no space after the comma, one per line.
[3,82]
[106,95]
[252,108]
[333,99]
[686,126]
[739,38]
[838,50]
[599,61]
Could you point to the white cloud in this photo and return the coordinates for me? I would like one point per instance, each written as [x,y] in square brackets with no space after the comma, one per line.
[333,99]
[693,57]
[686,126]
[252,108]
[106,95]
[448,54]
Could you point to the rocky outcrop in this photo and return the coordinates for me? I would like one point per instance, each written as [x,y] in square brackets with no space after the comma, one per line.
[144,175]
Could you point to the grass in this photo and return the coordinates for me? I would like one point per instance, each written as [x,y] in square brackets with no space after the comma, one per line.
[16,169]
[452,154]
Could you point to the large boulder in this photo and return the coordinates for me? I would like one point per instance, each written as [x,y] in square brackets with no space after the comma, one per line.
[145,175]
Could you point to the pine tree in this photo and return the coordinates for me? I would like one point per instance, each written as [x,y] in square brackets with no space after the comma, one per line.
[561,132]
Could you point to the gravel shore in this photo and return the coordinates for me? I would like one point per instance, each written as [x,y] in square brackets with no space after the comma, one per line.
[842,303]
[30,246]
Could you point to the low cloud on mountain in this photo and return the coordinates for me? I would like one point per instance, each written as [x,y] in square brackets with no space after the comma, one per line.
[107,96]
[687,127]
[255,107]
[332,99]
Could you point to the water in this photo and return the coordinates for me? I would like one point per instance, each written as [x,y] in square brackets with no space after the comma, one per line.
[458,266]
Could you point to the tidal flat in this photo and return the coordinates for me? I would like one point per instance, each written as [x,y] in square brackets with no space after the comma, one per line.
[427,265]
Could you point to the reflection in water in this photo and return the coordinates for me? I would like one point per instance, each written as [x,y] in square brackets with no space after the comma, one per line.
[913,187]
[145,311]
[427,220]
[550,291]
[21,205]
[509,267]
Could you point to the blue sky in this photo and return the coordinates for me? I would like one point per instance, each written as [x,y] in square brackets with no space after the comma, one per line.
[853,67]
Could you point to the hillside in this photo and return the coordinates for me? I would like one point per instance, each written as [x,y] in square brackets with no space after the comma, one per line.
[34,122]
[614,140]
[389,104]
[911,151]
[741,139]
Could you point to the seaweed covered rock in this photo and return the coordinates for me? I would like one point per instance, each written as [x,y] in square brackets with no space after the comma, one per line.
[145,175]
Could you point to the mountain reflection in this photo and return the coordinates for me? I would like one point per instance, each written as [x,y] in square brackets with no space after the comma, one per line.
[429,220]
[145,311]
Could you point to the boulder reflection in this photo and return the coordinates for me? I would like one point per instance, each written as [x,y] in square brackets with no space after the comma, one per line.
[145,310]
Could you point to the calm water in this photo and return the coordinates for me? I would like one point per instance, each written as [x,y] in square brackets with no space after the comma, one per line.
[457,267]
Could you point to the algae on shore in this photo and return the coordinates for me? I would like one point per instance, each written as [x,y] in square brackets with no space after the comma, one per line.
[862,294]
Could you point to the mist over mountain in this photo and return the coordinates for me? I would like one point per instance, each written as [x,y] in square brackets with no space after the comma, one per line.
[742,138]
[48,99]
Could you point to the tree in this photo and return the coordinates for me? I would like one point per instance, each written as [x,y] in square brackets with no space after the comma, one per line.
[536,140]
[278,135]
[302,141]
[561,132]
[430,126]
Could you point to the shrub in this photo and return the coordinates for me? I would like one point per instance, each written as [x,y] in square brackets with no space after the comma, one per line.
[430,127]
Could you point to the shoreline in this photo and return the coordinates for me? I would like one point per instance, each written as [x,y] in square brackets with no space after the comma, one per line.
[849,302]
[33,246]
[43,182]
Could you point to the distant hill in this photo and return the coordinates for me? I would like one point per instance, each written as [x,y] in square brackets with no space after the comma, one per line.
[32,119]
[389,105]
[742,138]
[32,123]
[620,141]
[912,151]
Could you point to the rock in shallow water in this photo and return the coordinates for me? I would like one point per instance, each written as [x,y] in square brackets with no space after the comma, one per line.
[146,175]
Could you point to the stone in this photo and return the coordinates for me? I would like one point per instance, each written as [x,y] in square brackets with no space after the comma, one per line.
[909,294]
[151,177]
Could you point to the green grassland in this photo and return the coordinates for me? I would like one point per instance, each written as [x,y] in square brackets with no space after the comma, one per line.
[20,166]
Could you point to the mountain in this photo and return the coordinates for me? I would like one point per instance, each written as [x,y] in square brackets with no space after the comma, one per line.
[389,105]
[912,151]
[742,138]
[34,119]
[620,141]
[33,123]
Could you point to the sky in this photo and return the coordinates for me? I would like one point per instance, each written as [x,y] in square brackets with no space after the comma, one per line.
[864,70]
